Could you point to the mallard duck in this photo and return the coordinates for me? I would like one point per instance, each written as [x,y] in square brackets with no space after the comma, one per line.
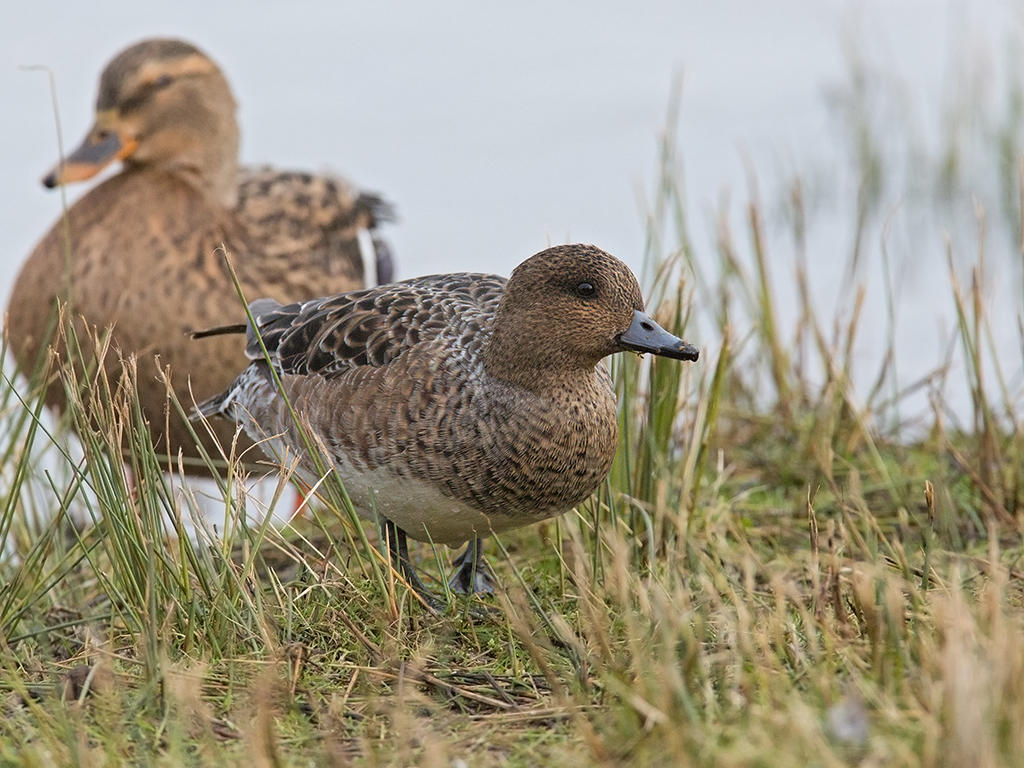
[145,246]
[451,406]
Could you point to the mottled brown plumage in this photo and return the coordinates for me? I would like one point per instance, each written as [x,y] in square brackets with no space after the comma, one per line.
[454,405]
[145,244]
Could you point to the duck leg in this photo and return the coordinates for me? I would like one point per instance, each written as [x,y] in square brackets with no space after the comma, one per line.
[398,551]
[472,574]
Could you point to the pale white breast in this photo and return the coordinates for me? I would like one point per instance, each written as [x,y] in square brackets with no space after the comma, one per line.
[418,508]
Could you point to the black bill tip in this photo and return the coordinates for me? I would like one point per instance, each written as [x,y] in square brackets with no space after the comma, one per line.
[645,335]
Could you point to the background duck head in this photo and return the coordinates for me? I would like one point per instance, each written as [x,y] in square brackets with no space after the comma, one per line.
[162,104]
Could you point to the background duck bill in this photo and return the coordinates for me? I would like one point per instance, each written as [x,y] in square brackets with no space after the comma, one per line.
[645,335]
[91,157]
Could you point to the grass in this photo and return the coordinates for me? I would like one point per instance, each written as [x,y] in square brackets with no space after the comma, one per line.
[776,573]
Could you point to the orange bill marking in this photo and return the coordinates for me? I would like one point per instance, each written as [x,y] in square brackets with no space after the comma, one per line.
[99,150]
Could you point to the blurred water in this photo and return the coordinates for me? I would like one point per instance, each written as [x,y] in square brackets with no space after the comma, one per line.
[496,131]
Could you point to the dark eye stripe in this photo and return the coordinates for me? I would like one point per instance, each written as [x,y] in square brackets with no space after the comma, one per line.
[139,97]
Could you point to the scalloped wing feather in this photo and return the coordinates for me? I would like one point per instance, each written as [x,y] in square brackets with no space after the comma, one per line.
[373,327]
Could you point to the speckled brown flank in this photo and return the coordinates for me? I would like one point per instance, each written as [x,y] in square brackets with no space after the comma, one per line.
[145,242]
[491,393]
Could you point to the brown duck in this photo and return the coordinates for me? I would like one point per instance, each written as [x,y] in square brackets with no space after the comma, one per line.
[143,247]
[452,406]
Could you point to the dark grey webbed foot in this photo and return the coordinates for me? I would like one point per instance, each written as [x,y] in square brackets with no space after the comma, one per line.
[472,574]
[398,551]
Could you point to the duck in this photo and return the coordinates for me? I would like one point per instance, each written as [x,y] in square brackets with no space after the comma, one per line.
[141,254]
[451,406]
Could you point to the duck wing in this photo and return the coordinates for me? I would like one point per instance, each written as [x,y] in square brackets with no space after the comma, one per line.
[303,221]
[375,326]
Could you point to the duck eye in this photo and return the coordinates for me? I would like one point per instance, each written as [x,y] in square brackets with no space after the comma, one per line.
[162,82]
[585,290]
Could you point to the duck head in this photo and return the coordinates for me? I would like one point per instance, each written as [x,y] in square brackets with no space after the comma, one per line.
[568,307]
[162,103]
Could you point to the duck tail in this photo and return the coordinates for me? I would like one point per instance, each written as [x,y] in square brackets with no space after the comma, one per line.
[376,207]
[234,401]
[217,405]
[220,330]
[261,310]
